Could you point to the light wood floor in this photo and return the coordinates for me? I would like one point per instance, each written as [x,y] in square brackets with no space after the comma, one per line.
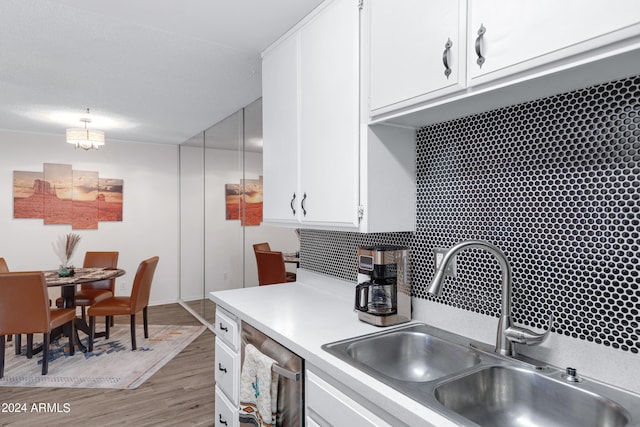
[180,393]
[205,308]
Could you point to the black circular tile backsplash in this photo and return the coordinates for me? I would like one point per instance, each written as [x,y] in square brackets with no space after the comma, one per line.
[554,183]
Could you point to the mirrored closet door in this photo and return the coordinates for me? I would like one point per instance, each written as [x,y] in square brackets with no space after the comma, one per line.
[221,210]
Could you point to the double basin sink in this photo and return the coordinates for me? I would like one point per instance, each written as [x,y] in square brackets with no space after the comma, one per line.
[472,386]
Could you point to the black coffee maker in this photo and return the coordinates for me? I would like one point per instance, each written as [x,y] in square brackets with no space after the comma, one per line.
[383,293]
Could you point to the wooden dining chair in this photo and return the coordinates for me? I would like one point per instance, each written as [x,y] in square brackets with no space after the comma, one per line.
[136,302]
[4,268]
[271,268]
[291,277]
[261,247]
[24,309]
[91,293]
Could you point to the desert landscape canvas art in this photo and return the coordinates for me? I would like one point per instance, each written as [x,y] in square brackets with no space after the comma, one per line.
[252,198]
[28,194]
[61,195]
[58,200]
[244,201]
[110,199]
[85,200]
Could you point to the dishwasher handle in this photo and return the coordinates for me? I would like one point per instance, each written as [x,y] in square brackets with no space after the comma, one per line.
[295,376]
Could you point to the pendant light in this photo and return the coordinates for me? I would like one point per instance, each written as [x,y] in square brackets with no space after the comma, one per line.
[86,138]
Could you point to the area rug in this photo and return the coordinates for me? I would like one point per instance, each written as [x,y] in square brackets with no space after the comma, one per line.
[112,364]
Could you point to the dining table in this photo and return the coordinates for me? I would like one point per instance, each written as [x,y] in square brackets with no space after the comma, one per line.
[68,286]
[292,258]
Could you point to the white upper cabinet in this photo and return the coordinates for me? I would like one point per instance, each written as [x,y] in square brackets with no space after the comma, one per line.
[311,122]
[281,132]
[416,51]
[329,116]
[324,168]
[504,52]
[507,37]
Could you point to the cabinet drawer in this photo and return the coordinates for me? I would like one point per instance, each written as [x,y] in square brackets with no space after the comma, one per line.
[328,406]
[226,412]
[227,371]
[227,329]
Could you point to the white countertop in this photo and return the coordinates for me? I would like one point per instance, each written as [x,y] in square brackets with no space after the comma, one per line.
[318,310]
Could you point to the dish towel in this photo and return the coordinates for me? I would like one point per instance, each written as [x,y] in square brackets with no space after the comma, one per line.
[258,389]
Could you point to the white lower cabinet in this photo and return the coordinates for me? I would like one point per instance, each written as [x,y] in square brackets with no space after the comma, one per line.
[226,412]
[325,405]
[227,369]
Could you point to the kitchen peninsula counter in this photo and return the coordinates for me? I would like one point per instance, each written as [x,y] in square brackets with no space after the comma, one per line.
[314,311]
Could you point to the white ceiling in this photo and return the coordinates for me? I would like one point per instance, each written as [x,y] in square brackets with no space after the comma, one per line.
[155,71]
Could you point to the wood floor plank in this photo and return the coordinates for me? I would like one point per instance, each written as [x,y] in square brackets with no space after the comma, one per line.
[180,393]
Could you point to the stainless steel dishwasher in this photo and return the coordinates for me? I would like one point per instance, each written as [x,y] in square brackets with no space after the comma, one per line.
[290,368]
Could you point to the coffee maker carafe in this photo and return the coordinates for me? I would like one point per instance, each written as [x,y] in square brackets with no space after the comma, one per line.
[383,293]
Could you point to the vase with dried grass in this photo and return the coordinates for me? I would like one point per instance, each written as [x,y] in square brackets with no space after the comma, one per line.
[64,248]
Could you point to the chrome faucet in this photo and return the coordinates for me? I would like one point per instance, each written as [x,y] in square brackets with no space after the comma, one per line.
[508,334]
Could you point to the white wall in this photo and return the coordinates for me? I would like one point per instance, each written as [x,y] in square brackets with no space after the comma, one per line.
[191,223]
[150,208]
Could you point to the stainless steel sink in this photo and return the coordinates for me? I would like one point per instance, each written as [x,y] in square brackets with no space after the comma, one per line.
[474,386]
[505,396]
[408,355]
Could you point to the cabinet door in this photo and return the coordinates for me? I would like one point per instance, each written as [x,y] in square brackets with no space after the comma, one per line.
[328,406]
[280,132]
[525,34]
[329,95]
[409,42]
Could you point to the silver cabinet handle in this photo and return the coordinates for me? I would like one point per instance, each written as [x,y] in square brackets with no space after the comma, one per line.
[304,199]
[291,204]
[481,58]
[445,57]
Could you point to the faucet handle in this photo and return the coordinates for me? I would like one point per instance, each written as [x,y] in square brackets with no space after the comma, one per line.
[517,334]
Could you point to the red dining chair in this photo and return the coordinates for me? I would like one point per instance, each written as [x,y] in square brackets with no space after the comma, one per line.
[24,309]
[290,277]
[91,293]
[271,268]
[261,247]
[4,268]
[138,301]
